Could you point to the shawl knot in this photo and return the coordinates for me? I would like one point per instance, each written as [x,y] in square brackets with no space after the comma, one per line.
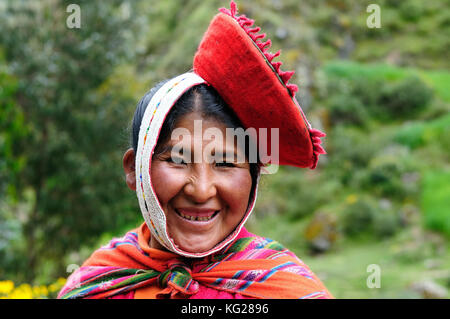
[177,279]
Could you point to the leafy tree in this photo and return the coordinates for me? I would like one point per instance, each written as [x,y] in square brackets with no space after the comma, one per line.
[12,133]
[74,146]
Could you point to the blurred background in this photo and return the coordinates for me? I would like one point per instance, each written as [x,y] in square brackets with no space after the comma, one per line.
[381,196]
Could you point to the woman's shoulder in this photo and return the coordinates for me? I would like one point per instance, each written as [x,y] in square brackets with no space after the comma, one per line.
[268,269]
[251,246]
[254,241]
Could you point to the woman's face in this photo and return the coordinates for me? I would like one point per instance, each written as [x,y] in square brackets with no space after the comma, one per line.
[203,200]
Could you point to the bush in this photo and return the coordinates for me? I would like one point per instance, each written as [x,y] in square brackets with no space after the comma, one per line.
[392,173]
[294,193]
[366,216]
[412,10]
[347,109]
[384,92]
[357,217]
[321,232]
[386,223]
[385,177]
[351,145]
[367,90]
[350,151]
[411,135]
[405,98]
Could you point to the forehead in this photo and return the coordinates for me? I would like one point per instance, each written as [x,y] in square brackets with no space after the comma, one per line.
[194,127]
[194,131]
[187,121]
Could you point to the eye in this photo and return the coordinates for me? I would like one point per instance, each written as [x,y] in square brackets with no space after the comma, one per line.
[225,164]
[176,160]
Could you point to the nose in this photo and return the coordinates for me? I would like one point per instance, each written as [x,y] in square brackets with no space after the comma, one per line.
[201,184]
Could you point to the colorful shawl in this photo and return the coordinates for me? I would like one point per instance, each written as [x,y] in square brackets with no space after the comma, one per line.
[250,266]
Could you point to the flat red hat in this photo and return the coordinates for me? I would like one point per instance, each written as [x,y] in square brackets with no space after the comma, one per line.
[233,58]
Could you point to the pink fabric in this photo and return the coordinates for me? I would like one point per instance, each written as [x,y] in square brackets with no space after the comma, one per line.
[210,293]
[128,295]
[203,293]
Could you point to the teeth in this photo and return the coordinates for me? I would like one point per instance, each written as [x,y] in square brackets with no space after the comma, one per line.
[194,218]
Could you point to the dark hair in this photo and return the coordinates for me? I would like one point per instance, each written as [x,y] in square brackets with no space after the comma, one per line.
[139,114]
[202,98]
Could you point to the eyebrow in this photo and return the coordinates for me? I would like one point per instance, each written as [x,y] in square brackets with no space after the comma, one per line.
[227,155]
[166,149]
[224,155]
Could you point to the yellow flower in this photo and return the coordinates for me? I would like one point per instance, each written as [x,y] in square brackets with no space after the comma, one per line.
[36,291]
[44,291]
[53,287]
[6,286]
[351,199]
[61,281]
[24,291]
[56,286]
[40,291]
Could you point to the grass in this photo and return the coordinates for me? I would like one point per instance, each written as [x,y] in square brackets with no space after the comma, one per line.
[344,271]
[403,259]
[415,253]
[419,133]
[435,200]
[438,80]
[353,70]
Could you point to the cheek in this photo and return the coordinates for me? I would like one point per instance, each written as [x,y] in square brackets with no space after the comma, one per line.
[237,190]
[166,183]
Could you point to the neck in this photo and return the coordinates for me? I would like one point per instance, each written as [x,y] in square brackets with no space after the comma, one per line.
[153,243]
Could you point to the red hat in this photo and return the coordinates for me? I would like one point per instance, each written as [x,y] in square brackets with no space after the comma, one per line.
[234,60]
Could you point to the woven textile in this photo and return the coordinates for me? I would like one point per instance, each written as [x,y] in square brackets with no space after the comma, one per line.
[251,266]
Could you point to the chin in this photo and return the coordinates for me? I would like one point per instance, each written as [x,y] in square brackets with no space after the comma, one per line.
[195,248]
[195,244]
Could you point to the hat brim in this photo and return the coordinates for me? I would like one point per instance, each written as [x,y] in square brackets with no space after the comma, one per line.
[229,60]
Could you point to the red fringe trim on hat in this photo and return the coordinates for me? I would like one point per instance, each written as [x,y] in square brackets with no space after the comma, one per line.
[317,148]
[285,76]
[247,25]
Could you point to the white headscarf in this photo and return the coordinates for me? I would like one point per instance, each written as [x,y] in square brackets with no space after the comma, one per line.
[152,121]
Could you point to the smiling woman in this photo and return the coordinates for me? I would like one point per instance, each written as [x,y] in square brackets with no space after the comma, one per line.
[196,189]
[204,200]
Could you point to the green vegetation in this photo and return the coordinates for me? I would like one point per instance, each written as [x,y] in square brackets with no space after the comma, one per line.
[435,200]
[380,195]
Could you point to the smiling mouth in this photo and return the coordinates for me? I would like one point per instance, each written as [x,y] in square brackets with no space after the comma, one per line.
[196,217]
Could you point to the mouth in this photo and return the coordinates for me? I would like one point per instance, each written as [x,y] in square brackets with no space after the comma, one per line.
[197,215]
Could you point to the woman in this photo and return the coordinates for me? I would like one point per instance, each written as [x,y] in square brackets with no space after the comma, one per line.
[196,186]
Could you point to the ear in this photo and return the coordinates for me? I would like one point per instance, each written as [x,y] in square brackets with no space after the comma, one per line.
[128,162]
